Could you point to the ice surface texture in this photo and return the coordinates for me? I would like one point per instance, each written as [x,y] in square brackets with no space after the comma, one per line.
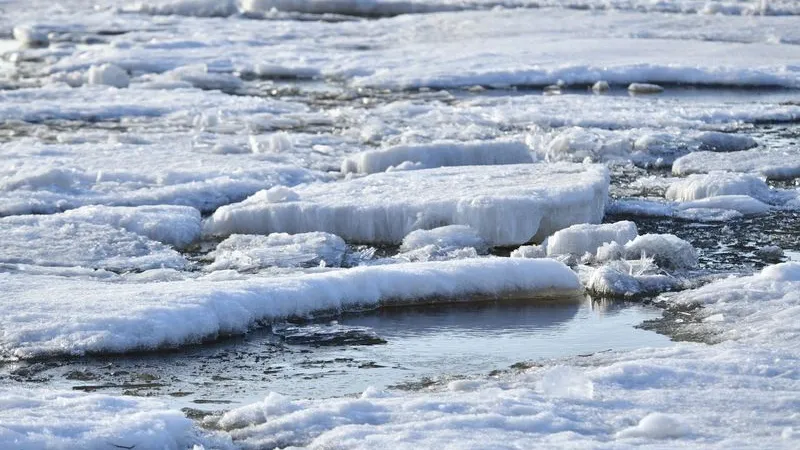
[506,205]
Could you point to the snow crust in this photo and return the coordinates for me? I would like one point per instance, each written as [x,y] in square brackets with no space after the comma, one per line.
[252,252]
[76,315]
[506,205]
[428,156]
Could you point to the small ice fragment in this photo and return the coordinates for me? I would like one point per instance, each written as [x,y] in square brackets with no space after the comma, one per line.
[31,35]
[669,251]
[716,318]
[108,75]
[655,426]
[529,251]
[645,88]
[771,253]
[601,87]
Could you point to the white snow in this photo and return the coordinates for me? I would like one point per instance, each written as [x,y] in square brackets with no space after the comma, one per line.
[656,426]
[506,205]
[695,187]
[251,252]
[668,251]
[439,154]
[583,238]
[74,315]
[40,418]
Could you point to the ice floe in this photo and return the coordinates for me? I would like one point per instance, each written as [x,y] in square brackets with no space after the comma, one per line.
[668,251]
[771,163]
[77,315]
[696,187]
[506,205]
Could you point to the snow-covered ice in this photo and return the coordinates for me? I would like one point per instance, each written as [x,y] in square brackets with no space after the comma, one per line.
[779,163]
[695,187]
[99,316]
[44,418]
[506,205]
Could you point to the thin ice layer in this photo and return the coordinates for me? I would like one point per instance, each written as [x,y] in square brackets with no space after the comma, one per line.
[506,205]
[437,154]
[45,314]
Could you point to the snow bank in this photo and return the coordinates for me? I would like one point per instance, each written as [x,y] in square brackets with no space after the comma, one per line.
[66,241]
[40,418]
[695,187]
[77,315]
[506,205]
[585,238]
[251,252]
[668,251]
[439,154]
[776,164]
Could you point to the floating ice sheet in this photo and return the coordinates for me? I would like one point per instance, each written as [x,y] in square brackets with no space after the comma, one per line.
[75,315]
[506,205]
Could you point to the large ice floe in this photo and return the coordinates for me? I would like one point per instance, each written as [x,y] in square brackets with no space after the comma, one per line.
[93,316]
[506,205]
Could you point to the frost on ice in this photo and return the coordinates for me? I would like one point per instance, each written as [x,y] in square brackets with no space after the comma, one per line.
[506,205]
